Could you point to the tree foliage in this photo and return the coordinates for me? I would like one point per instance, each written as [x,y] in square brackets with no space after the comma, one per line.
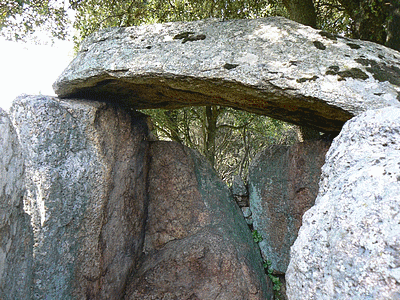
[369,19]
[96,14]
[302,11]
[228,138]
[20,18]
[374,20]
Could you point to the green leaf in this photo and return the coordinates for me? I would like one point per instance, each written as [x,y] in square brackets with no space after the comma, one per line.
[256,236]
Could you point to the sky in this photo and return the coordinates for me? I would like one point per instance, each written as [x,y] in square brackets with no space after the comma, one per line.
[30,69]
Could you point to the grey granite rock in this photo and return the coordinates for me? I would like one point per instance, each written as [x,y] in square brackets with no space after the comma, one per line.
[108,210]
[349,244]
[86,194]
[16,235]
[239,191]
[283,184]
[238,186]
[271,66]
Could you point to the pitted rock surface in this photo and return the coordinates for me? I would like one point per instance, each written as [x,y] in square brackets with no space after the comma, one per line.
[270,66]
[16,234]
[349,244]
[86,195]
[99,210]
[197,244]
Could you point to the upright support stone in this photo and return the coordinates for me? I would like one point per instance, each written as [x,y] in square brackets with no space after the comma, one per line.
[198,245]
[86,194]
[239,191]
[16,236]
[283,184]
[349,244]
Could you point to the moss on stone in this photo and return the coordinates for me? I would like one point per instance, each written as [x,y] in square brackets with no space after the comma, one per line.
[353,46]
[304,79]
[332,70]
[355,73]
[319,45]
[328,35]
[366,62]
[229,66]
[380,71]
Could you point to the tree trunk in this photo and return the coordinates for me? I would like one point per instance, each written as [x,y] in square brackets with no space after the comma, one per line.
[211,117]
[244,160]
[172,125]
[375,20]
[307,133]
[393,28]
[302,11]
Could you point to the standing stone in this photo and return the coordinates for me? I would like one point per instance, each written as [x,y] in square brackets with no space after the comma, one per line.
[86,194]
[15,230]
[197,244]
[349,244]
[283,184]
[239,191]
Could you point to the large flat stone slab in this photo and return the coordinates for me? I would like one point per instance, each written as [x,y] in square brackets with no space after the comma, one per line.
[270,66]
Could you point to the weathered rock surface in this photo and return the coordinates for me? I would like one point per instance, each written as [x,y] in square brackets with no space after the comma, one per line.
[238,186]
[239,191]
[86,195]
[283,184]
[271,66]
[15,230]
[197,244]
[112,215]
[349,244]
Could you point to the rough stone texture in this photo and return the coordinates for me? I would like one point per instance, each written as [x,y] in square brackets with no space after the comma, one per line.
[15,230]
[238,186]
[349,244]
[283,184]
[239,191]
[86,194]
[110,218]
[271,66]
[197,245]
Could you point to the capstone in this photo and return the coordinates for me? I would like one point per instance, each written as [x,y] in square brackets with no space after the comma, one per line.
[271,66]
